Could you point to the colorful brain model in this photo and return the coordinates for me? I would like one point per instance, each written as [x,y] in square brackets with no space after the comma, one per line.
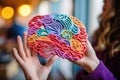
[57,34]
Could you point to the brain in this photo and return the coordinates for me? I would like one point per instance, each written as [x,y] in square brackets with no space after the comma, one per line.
[57,34]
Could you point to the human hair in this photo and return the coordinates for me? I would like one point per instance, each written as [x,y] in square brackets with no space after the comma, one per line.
[107,36]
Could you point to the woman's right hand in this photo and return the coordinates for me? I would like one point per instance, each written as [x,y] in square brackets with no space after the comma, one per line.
[90,61]
[29,62]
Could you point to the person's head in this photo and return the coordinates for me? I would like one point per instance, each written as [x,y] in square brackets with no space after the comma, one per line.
[107,35]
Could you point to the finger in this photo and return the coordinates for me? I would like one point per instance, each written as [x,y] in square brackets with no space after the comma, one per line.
[20,48]
[51,62]
[17,57]
[27,50]
[33,53]
[90,49]
[36,59]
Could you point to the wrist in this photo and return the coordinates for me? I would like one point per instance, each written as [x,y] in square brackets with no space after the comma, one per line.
[35,78]
[32,78]
[92,65]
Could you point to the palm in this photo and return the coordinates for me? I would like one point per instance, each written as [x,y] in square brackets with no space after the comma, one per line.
[30,63]
[89,62]
[32,66]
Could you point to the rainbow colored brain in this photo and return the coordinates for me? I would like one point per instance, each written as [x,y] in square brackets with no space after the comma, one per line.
[57,34]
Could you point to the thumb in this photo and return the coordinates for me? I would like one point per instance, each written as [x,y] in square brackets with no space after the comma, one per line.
[51,61]
[90,50]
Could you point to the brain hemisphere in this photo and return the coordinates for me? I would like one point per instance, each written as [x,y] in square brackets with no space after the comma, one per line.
[57,34]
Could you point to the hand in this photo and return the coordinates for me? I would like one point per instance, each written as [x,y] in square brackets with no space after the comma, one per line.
[89,62]
[29,62]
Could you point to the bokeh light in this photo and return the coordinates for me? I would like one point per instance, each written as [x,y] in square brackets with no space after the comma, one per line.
[7,12]
[24,10]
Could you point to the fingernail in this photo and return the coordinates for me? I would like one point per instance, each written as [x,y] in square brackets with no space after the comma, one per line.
[14,49]
[25,32]
[18,36]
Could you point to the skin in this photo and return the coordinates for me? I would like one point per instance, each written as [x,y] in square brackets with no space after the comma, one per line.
[33,70]
[89,62]
[29,62]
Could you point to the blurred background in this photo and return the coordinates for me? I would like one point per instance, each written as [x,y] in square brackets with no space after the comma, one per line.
[14,18]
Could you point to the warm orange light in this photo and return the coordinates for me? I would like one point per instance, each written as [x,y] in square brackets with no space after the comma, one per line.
[7,12]
[24,10]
